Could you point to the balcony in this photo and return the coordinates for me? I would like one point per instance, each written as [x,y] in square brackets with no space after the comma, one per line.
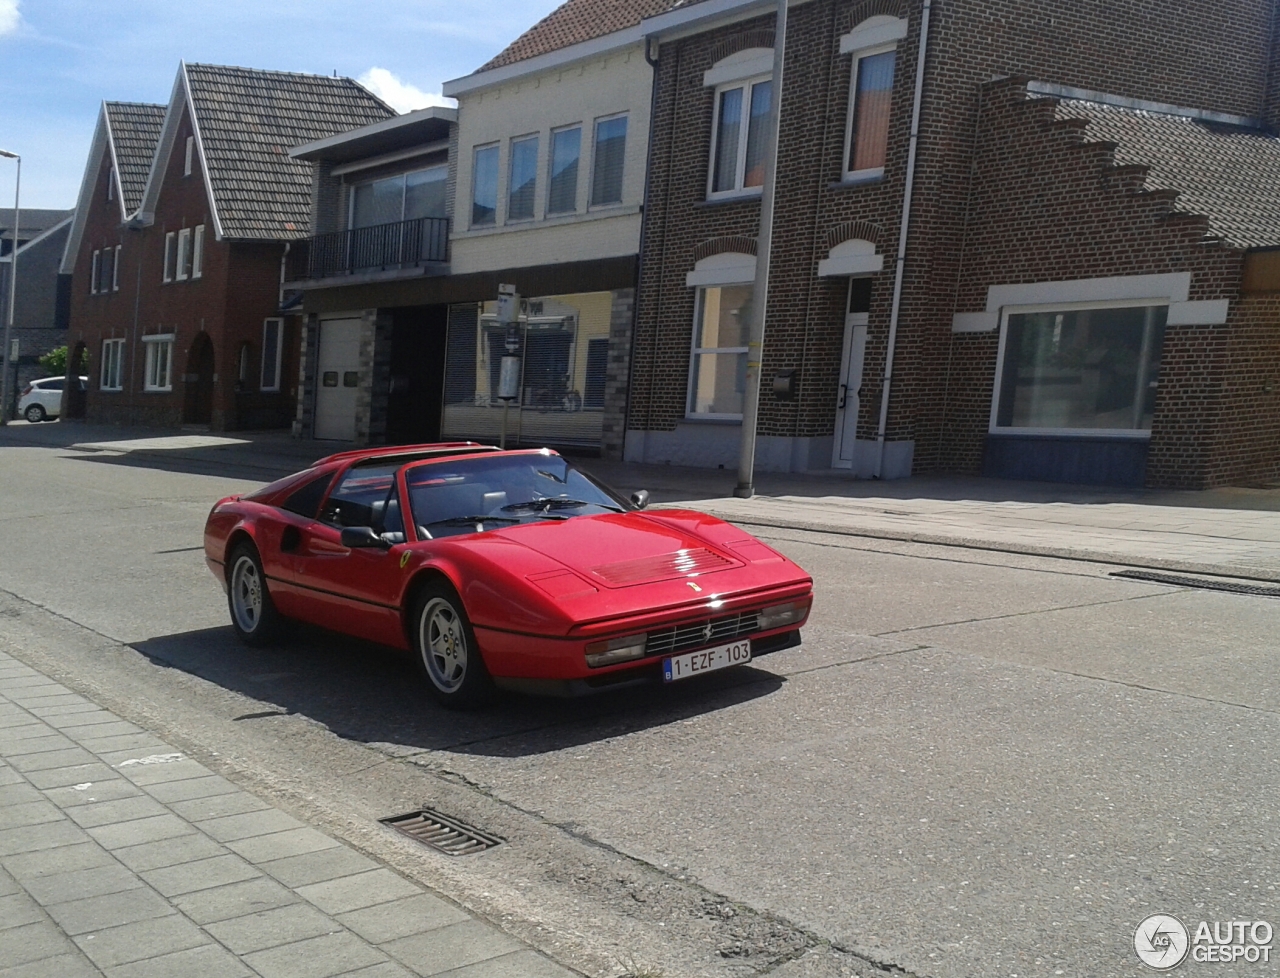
[362,251]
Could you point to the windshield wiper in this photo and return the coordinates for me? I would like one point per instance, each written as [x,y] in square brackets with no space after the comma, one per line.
[472,520]
[546,505]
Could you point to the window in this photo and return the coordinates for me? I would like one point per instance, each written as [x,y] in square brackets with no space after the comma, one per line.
[93,273]
[170,248]
[524,178]
[718,376]
[197,252]
[184,255]
[1081,369]
[870,101]
[111,184]
[404,197]
[242,367]
[106,270]
[611,152]
[159,375]
[306,501]
[191,147]
[360,498]
[115,271]
[112,359]
[737,152]
[272,347]
[484,186]
[566,150]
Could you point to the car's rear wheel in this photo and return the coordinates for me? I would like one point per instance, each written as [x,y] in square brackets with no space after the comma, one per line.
[35,413]
[446,651]
[253,614]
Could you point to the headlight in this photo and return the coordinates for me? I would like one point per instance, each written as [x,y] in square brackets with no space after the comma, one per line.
[615,650]
[783,614]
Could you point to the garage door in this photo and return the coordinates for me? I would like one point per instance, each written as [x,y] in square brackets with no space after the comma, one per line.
[338,380]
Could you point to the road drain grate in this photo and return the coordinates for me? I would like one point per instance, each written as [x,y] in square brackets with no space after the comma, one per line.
[441,832]
[1177,580]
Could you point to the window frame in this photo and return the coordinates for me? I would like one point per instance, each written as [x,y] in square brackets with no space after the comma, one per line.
[1118,434]
[95,270]
[496,148]
[188,162]
[536,139]
[404,193]
[263,386]
[871,173]
[551,162]
[111,184]
[592,204]
[170,249]
[182,270]
[158,345]
[748,86]
[112,361]
[115,270]
[699,306]
[197,252]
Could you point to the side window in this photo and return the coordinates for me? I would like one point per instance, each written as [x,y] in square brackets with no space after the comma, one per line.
[360,498]
[306,501]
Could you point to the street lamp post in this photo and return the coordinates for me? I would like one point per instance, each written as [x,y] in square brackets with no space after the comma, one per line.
[9,359]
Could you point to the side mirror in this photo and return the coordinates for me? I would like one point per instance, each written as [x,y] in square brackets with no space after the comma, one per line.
[362,538]
[640,499]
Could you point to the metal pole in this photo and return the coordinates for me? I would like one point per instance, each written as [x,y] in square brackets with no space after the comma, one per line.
[764,248]
[9,359]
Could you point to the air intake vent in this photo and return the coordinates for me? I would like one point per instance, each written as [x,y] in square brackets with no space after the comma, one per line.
[451,837]
[681,563]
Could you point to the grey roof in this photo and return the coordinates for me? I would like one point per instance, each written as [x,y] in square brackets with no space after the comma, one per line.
[34,221]
[135,130]
[1229,174]
[249,120]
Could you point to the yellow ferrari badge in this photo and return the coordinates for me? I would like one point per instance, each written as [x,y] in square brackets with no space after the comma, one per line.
[404,559]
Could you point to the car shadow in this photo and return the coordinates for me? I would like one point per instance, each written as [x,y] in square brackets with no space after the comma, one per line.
[373,695]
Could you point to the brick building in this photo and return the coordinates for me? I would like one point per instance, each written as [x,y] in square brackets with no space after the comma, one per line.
[186,214]
[1066,275]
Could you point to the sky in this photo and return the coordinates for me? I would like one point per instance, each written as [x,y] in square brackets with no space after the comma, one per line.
[59,59]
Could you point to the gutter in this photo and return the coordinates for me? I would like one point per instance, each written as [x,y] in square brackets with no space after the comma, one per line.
[902,241]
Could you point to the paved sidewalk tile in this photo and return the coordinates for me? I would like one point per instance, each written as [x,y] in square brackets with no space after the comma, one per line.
[120,856]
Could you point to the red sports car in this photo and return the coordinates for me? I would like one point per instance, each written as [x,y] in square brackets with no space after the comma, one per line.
[506,568]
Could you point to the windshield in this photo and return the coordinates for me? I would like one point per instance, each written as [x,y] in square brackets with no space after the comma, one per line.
[473,495]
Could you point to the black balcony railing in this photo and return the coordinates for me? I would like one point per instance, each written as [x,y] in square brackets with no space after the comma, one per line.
[383,247]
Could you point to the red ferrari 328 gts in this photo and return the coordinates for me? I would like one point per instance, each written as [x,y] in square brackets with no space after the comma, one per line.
[506,568]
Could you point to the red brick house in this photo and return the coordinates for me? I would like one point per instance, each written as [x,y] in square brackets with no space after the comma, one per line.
[185,217]
[1047,251]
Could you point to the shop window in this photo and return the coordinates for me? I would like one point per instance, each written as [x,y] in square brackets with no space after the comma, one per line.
[1088,370]
[718,373]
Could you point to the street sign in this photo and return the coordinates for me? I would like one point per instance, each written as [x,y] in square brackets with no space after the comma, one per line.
[508,305]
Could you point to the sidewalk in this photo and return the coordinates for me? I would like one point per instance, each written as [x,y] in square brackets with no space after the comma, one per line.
[120,856]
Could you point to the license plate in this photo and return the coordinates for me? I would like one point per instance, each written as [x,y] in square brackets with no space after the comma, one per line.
[708,660]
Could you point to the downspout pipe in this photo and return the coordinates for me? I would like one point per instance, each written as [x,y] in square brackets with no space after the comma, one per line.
[904,226]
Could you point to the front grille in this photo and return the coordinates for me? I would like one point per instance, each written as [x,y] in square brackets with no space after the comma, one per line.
[699,634]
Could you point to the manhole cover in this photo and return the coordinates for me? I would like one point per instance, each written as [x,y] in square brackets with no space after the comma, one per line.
[441,832]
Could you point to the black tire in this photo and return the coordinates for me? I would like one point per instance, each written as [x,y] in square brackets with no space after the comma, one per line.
[445,649]
[253,613]
[35,413]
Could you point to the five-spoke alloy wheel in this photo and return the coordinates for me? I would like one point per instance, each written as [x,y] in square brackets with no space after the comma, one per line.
[445,648]
[253,614]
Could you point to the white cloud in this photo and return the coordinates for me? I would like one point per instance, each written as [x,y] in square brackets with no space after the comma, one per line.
[400,95]
[9,17]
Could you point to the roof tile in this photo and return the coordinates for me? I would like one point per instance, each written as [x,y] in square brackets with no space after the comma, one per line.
[135,130]
[576,21]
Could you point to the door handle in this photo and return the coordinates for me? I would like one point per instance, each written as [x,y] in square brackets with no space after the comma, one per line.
[844,394]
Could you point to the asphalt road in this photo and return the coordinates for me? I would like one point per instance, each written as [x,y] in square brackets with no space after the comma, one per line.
[976,765]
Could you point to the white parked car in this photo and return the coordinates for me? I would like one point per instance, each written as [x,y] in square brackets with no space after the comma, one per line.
[42,399]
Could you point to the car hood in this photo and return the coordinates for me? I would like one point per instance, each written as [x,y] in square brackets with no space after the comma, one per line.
[624,550]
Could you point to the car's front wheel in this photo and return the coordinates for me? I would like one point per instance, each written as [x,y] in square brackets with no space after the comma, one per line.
[253,613]
[446,651]
[35,413]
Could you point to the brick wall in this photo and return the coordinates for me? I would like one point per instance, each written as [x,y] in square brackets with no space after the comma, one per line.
[621,322]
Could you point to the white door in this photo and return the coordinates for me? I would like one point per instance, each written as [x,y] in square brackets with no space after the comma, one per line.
[338,379]
[849,392]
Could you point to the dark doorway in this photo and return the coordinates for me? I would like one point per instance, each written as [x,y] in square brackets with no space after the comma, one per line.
[418,336]
[197,402]
[76,395]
